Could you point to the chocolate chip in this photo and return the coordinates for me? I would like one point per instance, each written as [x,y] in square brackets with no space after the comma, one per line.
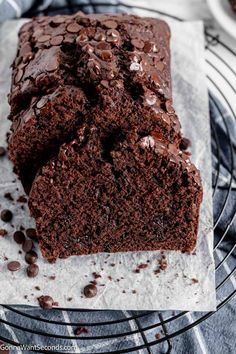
[110,24]
[25,49]
[31,233]
[73,28]
[149,47]
[82,38]
[159,66]
[27,246]
[19,75]
[3,232]
[80,330]
[2,151]
[185,144]
[57,20]
[13,266]
[68,40]
[41,102]
[31,257]
[113,36]
[8,196]
[44,38]
[6,215]
[88,48]
[90,290]
[45,302]
[32,270]
[106,55]
[100,37]
[19,237]
[137,43]
[22,199]
[52,65]
[57,40]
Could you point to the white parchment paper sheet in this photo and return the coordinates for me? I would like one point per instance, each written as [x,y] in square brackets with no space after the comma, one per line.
[173,288]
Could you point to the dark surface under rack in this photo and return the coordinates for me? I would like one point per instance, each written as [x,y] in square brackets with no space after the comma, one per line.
[224,215]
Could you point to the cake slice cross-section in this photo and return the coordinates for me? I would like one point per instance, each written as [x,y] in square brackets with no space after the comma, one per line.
[116,194]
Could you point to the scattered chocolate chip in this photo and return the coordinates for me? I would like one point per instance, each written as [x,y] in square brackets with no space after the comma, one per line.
[96,275]
[3,232]
[158,336]
[110,24]
[52,277]
[195,281]
[22,199]
[134,292]
[2,151]
[6,215]
[45,302]
[142,266]
[19,237]
[31,233]
[13,266]
[37,288]
[57,40]
[32,270]
[31,257]
[73,28]
[90,290]
[185,144]
[8,196]
[69,298]
[80,330]
[27,245]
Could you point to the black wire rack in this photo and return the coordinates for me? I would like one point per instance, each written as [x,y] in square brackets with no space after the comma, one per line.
[218,72]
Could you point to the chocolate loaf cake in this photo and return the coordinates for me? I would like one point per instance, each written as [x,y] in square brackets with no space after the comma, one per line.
[95,138]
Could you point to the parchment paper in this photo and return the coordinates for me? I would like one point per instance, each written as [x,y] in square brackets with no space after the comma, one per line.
[188,282]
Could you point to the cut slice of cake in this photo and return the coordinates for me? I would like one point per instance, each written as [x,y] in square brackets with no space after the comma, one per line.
[116,194]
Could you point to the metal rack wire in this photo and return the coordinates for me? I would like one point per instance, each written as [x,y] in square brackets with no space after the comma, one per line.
[220,103]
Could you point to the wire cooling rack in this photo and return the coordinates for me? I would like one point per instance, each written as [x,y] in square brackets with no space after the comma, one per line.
[220,76]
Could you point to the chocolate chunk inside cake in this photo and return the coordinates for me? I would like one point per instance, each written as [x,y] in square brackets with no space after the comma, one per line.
[95,138]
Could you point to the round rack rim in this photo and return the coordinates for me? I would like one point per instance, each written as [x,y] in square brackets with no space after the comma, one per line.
[223,233]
